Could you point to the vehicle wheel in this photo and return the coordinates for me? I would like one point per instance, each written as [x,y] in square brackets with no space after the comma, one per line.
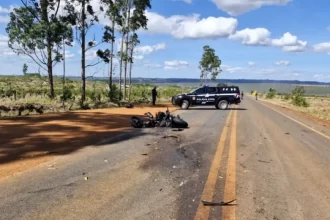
[185,104]
[179,123]
[223,104]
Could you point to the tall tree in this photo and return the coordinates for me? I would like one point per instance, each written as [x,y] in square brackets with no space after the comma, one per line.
[137,20]
[113,13]
[35,30]
[82,16]
[209,64]
[25,69]
[127,32]
[134,41]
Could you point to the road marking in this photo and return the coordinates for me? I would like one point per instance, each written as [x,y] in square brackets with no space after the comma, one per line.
[302,124]
[229,212]
[204,211]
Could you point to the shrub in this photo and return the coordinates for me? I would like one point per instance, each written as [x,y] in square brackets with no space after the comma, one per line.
[299,90]
[297,97]
[287,96]
[271,93]
[300,100]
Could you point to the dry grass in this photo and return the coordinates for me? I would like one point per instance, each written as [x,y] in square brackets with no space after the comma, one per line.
[319,106]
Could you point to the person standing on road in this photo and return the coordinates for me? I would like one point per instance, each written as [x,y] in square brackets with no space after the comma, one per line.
[154,95]
[256,95]
[242,94]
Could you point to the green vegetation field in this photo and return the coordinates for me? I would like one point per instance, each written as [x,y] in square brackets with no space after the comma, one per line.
[18,91]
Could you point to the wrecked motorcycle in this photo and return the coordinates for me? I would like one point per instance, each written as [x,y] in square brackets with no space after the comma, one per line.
[162,119]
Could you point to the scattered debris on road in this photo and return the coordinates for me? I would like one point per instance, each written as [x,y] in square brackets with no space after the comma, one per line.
[263,161]
[287,133]
[205,203]
[106,161]
[86,178]
[170,136]
[145,154]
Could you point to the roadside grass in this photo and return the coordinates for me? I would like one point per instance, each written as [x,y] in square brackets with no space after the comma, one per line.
[19,91]
[318,106]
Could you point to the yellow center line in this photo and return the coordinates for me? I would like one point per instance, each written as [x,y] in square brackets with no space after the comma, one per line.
[302,124]
[229,212]
[204,211]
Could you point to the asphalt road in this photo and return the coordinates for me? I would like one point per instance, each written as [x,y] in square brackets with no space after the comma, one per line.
[272,166]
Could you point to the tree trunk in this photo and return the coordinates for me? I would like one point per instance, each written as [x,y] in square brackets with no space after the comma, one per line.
[128,16]
[83,52]
[44,17]
[130,74]
[50,71]
[121,63]
[111,59]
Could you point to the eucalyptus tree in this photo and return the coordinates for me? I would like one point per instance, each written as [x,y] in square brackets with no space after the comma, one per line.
[37,31]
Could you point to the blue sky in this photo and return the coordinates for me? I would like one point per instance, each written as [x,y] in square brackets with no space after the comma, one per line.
[268,39]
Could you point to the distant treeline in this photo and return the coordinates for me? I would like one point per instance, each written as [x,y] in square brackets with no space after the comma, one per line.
[227,81]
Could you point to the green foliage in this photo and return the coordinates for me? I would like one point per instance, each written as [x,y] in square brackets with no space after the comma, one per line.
[67,93]
[287,97]
[298,98]
[209,64]
[271,93]
[25,69]
[299,90]
[113,94]
[31,31]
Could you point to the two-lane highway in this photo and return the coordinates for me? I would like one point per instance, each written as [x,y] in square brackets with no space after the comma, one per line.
[272,166]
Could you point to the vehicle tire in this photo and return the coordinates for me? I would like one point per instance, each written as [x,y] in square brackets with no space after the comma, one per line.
[179,123]
[185,104]
[222,104]
[136,122]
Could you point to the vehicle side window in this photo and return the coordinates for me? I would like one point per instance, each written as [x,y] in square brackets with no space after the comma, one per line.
[200,91]
[211,90]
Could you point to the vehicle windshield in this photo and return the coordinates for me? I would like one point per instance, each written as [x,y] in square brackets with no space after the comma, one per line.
[194,90]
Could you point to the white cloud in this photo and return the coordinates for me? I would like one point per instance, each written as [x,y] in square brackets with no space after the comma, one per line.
[262,37]
[192,26]
[257,36]
[175,64]
[186,1]
[4,19]
[68,54]
[138,57]
[237,7]
[322,47]
[251,63]
[90,54]
[152,65]
[290,43]
[282,63]
[6,10]
[150,49]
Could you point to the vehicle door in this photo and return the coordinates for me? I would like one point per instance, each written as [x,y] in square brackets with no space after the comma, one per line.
[197,96]
[210,95]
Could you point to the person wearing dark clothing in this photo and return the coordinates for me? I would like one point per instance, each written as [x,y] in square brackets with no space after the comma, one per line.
[256,95]
[154,96]
[242,95]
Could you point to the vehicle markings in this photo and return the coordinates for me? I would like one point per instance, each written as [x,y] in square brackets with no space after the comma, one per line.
[229,212]
[208,192]
[302,124]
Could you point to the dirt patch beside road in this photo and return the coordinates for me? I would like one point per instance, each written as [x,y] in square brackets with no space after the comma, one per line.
[29,141]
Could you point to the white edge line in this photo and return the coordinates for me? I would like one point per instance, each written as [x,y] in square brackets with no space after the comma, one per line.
[306,126]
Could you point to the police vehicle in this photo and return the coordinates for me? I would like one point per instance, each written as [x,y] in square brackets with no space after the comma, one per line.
[220,97]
